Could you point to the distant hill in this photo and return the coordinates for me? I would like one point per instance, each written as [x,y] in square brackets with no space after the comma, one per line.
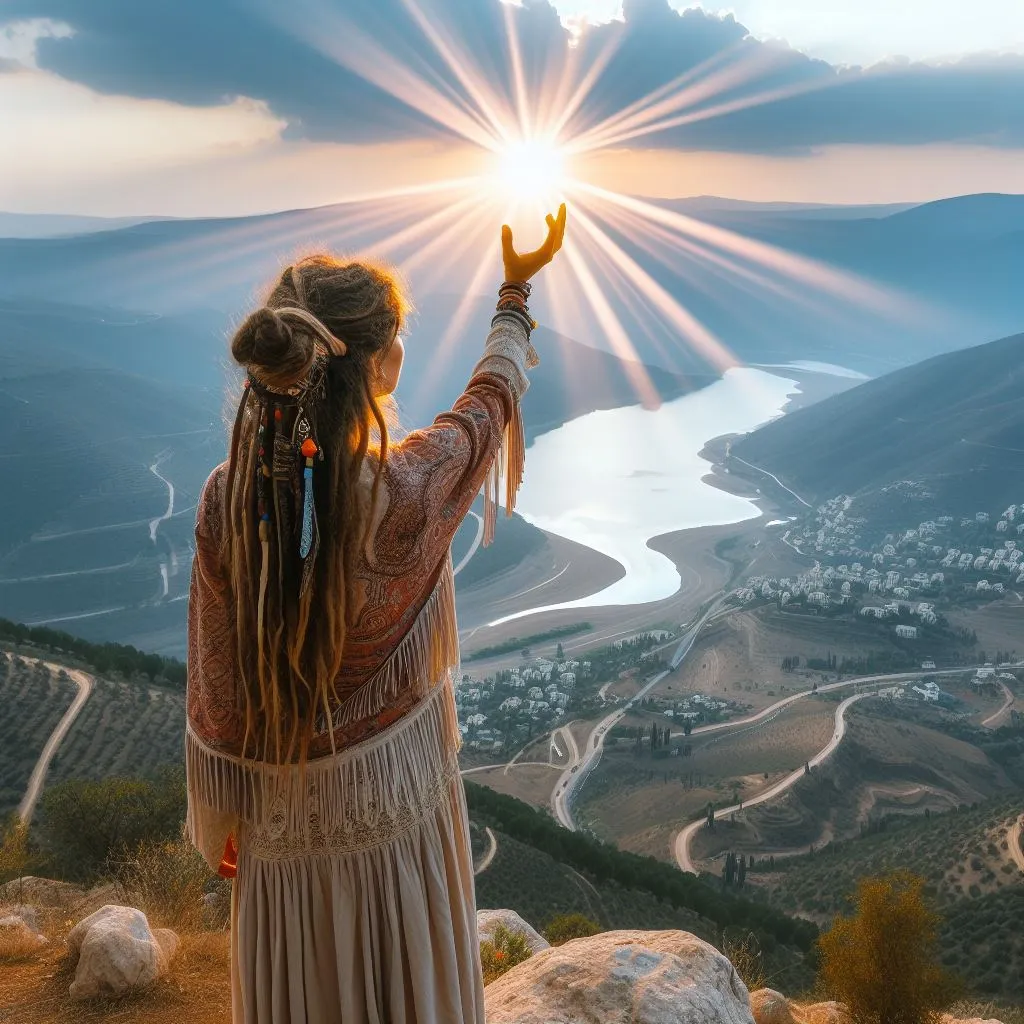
[53,225]
[954,422]
[106,409]
[963,257]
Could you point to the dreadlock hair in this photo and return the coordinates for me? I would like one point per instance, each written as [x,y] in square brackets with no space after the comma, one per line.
[292,614]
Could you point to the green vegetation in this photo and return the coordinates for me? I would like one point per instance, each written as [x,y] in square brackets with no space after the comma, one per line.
[85,827]
[604,862]
[516,643]
[565,927]
[882,961]
[103,658]
[502,952]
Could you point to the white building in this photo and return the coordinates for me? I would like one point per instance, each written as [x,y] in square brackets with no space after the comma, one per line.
[907,632]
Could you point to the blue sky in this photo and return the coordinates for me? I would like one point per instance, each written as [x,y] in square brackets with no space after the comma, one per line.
[233,106]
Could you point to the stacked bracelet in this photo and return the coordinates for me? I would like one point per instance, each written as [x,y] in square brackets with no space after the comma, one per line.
[512,299]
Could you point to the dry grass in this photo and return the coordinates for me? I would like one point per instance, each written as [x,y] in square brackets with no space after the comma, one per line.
[17,946]
[167,881]
[196,990]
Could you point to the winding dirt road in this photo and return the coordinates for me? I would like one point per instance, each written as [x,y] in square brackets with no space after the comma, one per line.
[1002,711]
[1013,836]
[35,783]
[485,861]
[681,843]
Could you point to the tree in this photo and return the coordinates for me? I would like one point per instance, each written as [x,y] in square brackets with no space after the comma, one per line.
[711,815]
[687,727]
[741,871]
[882,961]
[559,653]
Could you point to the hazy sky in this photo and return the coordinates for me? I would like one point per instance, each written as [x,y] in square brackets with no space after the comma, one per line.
[217,106]
[861,31]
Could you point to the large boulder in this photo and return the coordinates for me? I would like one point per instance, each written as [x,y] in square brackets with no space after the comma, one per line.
[118,952]
[627,977]
[488,920]
[41,892]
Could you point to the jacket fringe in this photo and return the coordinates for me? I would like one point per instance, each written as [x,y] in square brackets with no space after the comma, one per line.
[509,463]
[361,796]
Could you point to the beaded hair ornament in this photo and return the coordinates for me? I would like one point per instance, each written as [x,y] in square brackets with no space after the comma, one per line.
[286,457]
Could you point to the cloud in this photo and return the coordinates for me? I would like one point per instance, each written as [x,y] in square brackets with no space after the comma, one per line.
[301,59]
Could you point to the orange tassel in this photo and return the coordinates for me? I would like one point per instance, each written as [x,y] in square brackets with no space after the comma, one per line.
[229,862]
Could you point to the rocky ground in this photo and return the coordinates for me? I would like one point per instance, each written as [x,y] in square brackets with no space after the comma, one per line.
[111,965]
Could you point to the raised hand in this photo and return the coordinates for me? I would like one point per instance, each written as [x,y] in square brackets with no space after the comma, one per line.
[523,266]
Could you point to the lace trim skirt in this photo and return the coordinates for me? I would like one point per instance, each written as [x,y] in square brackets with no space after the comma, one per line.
[354,898]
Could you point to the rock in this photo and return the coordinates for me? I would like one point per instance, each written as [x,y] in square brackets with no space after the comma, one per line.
[488,920]
[18,935]
[117,952]
[626,977]
[947,1019]
[43,892]
[770,1007]
[24,911]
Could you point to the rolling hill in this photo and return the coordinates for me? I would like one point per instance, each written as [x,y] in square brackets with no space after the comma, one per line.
[954,423]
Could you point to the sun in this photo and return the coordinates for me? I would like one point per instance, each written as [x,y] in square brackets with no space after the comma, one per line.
[528,169]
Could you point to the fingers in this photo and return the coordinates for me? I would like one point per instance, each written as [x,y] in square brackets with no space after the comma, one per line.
[507,248]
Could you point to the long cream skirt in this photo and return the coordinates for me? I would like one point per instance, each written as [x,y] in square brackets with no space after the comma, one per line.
[354,899]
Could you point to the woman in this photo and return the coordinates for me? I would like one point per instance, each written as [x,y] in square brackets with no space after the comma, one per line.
[322,741]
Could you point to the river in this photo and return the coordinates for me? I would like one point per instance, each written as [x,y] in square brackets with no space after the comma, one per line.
[615,478]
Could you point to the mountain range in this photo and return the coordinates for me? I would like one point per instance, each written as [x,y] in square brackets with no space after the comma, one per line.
[954,423]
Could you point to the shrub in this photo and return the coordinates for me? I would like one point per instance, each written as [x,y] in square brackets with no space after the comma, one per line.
[882,961]
[14,852]
[565,927]
[502,952]
[85,824]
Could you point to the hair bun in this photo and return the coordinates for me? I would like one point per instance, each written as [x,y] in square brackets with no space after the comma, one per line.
[269,343]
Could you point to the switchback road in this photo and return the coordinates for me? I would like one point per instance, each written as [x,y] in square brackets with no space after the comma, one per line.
[681,844]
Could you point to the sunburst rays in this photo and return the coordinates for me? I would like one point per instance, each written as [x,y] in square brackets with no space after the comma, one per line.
[615,281]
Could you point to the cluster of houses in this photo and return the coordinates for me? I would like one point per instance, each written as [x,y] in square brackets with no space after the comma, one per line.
[535,693]
[933,559]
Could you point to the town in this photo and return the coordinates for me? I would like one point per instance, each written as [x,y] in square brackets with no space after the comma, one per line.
[903,575]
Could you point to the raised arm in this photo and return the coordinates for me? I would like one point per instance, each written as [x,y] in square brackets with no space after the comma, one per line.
[436,473]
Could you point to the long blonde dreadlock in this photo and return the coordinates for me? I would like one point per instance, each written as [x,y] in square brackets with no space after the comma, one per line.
[297,513]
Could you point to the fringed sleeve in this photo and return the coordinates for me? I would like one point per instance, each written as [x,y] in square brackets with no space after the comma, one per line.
[478,444]
[211,696]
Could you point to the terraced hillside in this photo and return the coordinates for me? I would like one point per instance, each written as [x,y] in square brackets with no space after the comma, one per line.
[966,860]
[126,729]
[33,700]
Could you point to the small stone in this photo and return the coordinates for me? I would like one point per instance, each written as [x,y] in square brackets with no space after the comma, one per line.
[117,952]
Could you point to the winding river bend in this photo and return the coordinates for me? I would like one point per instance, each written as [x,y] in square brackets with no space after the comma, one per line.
[615,478]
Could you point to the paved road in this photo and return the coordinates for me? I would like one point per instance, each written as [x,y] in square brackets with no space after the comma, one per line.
[35,783]
[1006,707]
[1013,837]
[574,775]
[896,677]
[681,844]
[489,855]
[503,764]
[759,469]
